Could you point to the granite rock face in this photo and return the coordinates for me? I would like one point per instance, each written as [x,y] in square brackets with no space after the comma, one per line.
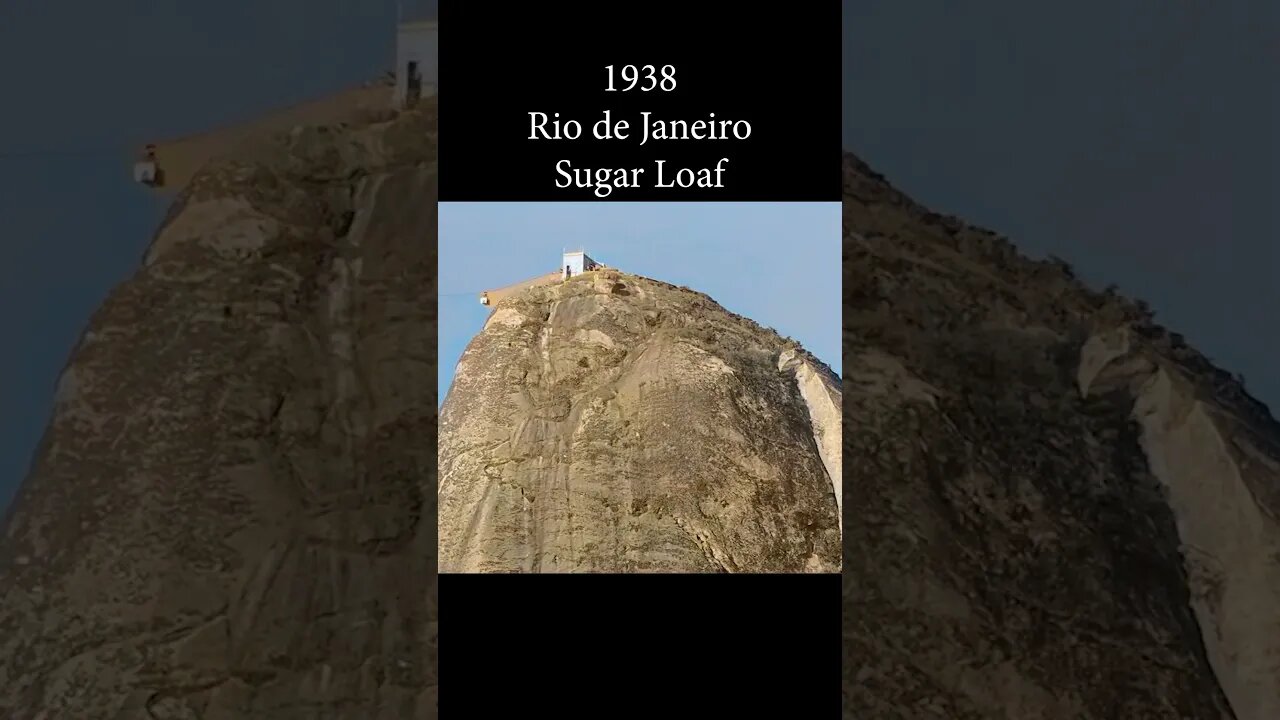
[615,423]
[1056,510]
[230,515]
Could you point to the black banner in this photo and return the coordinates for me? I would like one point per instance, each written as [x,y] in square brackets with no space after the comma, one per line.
[623,102]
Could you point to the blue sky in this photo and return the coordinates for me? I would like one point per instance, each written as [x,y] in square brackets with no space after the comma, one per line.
[1139,142]
[776,263]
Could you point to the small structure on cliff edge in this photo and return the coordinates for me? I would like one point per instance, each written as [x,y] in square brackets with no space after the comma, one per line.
[145,170]
[572,264]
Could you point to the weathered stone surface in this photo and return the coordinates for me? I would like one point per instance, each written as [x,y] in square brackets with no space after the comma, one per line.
[1056,510]
[614,423]
[231,512]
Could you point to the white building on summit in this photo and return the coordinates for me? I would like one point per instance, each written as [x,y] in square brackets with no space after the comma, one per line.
[576,263]
[572,264]
[417,62]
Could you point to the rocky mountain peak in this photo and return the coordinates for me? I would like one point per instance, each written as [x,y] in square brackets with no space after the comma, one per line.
[618,423]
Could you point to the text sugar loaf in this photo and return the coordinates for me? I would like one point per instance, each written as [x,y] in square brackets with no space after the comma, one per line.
[606,180]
